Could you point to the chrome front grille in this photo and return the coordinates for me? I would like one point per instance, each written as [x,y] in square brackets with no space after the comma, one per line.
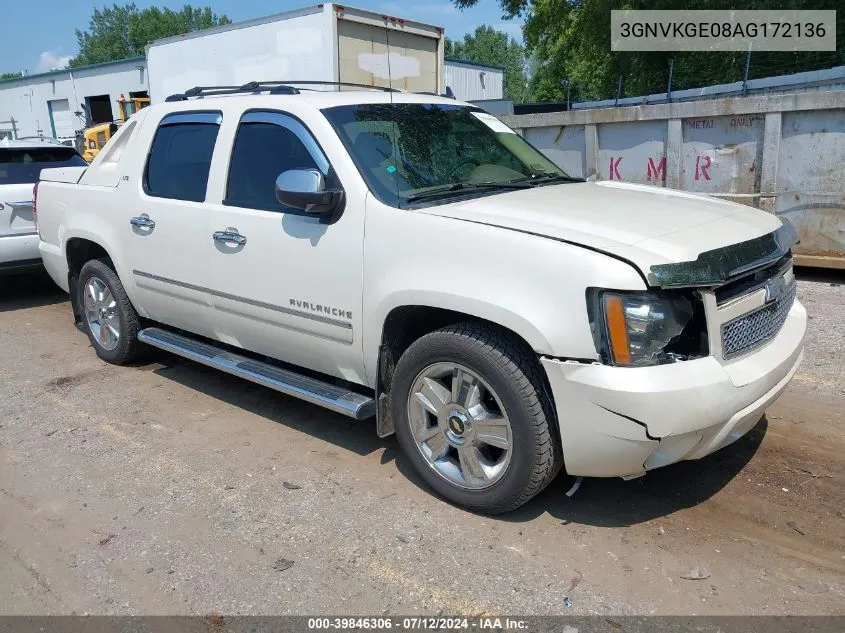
[751,330]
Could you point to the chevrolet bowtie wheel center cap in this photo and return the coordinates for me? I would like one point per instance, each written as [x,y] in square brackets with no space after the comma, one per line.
[456,425]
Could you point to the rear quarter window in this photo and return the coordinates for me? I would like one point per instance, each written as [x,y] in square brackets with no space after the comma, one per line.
[24,165]
[180,156]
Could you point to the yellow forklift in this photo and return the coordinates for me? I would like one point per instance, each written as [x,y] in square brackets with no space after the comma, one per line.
[95,137]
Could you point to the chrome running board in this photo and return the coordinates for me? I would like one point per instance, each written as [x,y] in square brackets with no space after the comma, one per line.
[338,399]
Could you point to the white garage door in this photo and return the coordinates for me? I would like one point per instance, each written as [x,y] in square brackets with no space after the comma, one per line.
[62,118]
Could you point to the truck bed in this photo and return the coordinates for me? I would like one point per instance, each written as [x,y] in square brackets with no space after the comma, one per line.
[69,175]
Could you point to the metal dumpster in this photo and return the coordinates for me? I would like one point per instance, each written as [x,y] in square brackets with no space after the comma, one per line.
[781,153]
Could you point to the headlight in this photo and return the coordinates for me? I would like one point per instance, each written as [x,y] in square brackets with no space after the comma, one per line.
[637,329]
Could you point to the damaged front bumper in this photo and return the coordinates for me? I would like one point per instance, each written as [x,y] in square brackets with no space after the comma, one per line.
[620,421]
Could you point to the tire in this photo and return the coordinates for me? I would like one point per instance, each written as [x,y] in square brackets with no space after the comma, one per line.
[120,316]
[498,373]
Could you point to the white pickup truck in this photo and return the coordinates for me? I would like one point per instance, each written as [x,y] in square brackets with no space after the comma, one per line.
[411,258]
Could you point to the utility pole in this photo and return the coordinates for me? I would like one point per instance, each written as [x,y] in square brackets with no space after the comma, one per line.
[566,82]
[618,89]
[669,86]
[745,75]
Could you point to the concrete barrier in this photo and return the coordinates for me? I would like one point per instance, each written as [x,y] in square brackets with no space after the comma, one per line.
[781,153]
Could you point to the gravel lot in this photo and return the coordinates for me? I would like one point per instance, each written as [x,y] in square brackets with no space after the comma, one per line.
[169,488]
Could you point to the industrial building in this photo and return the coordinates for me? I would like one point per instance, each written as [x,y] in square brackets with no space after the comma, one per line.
[474,82]
[54,103]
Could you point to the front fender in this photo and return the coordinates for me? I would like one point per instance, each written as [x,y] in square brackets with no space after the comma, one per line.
[473,306]
[532,285]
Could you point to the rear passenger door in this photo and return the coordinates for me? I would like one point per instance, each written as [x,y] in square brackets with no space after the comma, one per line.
[165,223]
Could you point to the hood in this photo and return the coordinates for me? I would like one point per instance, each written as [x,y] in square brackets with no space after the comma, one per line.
[645,225]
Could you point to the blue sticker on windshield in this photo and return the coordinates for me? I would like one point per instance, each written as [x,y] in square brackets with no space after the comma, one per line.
[391,169]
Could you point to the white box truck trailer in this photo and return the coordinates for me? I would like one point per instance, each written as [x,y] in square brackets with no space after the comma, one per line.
[325,42]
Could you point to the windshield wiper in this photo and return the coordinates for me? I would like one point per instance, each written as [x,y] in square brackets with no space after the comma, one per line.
[467,186]
[546,177]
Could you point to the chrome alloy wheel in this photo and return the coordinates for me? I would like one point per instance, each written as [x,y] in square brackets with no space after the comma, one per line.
[459,426]
[101,313]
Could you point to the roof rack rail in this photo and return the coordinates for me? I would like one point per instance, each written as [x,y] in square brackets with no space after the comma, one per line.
[447,95]
[311,82]
[273,87]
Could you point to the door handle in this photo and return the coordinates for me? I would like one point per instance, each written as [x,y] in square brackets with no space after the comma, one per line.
[229,237]
[143,221]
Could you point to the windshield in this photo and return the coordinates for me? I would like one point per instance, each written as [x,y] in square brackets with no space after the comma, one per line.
[412,153]
[24,165]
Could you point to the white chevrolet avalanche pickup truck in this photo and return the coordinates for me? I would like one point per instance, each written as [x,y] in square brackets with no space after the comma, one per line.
[409,257]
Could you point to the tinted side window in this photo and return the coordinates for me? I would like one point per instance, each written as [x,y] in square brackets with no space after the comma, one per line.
[266,145]
[180,156]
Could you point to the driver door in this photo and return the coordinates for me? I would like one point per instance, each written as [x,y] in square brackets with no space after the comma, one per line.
[285,283]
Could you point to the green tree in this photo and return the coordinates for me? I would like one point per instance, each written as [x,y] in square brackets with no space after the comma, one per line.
[569,39]
[489,46]
[122,31]
[14,75]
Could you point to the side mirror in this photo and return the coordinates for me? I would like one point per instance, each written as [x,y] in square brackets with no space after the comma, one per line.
[306,189]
